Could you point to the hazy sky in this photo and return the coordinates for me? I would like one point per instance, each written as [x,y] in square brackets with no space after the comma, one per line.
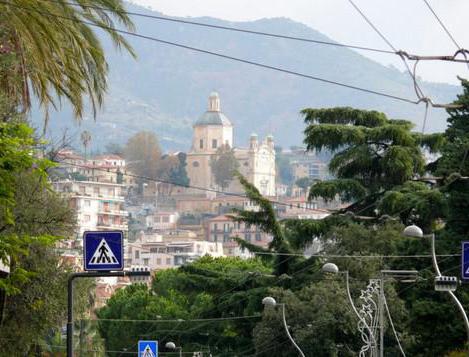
[408,24]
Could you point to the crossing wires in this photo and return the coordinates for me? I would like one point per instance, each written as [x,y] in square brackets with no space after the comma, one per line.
[232,58]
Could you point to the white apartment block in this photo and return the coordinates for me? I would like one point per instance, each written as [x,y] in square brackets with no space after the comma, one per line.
[98,205]
[157,252]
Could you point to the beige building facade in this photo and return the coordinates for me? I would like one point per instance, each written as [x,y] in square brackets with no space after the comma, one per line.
[213,130]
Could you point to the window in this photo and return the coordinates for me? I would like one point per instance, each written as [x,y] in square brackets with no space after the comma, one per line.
[201,143]
[214,143]
[195,164]
[82,189]
[96,190]
[146,261]
[247,237]
[258,237]
[215,226]
[165,219]
[87,203]
[87,218]
[158,261]
[137,254]
[226,238]
[215,238]
[110,192]
[168,261]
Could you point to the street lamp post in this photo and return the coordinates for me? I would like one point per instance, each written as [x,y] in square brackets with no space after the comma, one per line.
[270,301]
[334,269]
[172,346]
[416,232]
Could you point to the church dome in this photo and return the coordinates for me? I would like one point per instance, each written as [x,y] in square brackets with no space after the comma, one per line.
[213,116]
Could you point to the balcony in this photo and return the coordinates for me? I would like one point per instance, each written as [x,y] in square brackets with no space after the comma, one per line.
[113,212]
[111,226]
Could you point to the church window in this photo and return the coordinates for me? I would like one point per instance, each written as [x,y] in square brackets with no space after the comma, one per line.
[195,164]
[246,164]
[201,143]
[214,143]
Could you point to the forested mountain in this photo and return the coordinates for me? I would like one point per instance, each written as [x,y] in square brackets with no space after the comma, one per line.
[166,88]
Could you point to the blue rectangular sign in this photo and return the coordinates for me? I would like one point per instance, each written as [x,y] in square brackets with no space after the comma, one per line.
[103,250]
[465,260]
[147,348]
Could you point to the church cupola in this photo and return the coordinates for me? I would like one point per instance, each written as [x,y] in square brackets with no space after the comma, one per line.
[214,102]
[253,143]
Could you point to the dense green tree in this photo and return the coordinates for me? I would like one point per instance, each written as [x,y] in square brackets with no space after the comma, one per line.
[304,183]
[32,37]
[372,154]
[224,165]
[178,174]
[114,148]
[143,154]
[284,168]
[208,288]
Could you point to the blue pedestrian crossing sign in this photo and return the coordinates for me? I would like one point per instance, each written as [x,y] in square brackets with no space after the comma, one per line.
[103,250]
[465,260]
[147,348]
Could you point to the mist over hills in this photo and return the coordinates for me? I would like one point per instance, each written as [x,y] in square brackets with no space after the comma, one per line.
[165,90]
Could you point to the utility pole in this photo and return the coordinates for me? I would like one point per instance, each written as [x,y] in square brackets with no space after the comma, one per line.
[381,316]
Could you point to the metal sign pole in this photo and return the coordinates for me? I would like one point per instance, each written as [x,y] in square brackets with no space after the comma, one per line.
[89,274]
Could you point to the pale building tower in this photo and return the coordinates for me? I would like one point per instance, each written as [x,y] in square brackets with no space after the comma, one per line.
[211,131]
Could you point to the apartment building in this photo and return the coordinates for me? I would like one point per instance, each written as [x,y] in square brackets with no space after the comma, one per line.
[98,205]
[222,229]
[156,252]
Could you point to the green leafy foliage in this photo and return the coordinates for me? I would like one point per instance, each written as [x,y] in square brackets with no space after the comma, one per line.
[208,288]
[34,33]
[224,165]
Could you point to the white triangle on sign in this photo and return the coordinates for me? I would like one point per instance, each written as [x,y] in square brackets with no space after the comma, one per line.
[467,271]
[147,352]
[103,255]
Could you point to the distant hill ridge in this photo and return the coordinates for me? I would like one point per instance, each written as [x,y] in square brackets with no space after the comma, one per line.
[166,89]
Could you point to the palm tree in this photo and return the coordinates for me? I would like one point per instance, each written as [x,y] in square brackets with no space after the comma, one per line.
[48,49]
[85,138]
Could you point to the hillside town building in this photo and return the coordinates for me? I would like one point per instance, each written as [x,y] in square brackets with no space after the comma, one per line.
[214,130]
[98,205]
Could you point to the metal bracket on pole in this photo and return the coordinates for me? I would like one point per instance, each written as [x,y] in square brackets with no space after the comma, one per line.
[89,274]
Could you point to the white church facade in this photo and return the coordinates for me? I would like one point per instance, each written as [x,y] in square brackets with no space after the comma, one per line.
[213,130]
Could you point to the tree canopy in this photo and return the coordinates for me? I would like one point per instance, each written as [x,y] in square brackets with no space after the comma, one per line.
[32,36]
[224,165]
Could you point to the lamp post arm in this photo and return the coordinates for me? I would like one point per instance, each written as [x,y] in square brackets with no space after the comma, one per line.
[288,332]
[435,262]
[453,296]
[463,312]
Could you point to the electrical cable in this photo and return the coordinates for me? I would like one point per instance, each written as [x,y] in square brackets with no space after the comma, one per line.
[177,320]
[183,185]
[220,55]
[263,33]
[229,28]
[418,90]
[460,49]
[392,325]
[442,24]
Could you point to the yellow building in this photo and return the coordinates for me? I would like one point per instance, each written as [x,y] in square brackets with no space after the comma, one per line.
[213,130]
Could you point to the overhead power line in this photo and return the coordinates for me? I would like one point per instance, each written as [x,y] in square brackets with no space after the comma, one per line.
[229,28]
[217,54]
[280,203]
[461,50]
[400,53]
[237,59]
[418,90]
